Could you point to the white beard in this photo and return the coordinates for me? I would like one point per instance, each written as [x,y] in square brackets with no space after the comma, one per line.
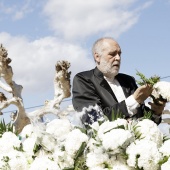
[107,69]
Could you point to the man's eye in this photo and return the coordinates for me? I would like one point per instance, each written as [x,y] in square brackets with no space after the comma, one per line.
[113,54]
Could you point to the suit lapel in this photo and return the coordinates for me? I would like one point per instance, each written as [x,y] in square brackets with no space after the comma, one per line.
[103,83]
[123,84]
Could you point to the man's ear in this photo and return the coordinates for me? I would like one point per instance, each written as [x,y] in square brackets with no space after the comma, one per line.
[97,57]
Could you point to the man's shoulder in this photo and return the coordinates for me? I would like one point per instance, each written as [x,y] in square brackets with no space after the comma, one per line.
[87,73]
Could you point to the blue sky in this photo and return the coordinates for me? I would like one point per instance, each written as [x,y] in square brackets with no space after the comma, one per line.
[39,33]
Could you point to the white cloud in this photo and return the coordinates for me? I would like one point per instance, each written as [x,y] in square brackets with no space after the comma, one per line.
[77,19]
[17,11]
[25,9]
[34,62]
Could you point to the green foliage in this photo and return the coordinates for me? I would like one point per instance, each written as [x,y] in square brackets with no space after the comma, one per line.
[136,132]
[118,127]
[6,128]
[80,164]
[165,138]
[124,155]
[165,159]
[36,148]
[116,115]
[147,114]
[80,161]
[80,151]
[150,81]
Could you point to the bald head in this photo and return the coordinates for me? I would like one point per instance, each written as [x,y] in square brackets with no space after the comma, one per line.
[101,44]
[107,55]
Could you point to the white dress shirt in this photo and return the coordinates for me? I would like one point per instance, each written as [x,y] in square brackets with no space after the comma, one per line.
[131,103]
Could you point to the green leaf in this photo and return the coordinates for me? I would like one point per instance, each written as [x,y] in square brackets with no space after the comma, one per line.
[118,127]
[68,169]
[6,128]
[147,114]
[36,148]
[116,115]
[80,151]
[150,81]
[165,159]
[165,138]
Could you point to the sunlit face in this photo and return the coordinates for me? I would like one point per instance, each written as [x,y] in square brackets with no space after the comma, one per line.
[109,60]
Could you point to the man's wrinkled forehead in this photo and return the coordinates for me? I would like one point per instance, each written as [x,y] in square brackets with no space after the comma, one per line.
[111,44]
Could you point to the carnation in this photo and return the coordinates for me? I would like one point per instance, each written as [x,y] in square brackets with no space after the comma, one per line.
[18,161]
[43,163]
[117,139]
[98,158]
[107,126]
[143,154]
[74,140]
[28,146]
[162,90]
[165,148]
[59,128]
[118,163]
[149,130]
[66,161]
[46,140]
[6,145]
[14,160]
[27,131]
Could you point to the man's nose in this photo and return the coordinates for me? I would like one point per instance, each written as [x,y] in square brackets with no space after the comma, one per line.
[117,57]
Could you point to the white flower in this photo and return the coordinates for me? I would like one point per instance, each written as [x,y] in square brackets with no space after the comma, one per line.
[16,160]
[28,146]
[74,140]
[95,126]
[27,131]
[64,161]
[44,163]
[41,153]
[98,158]
[117,139]
[118,163]
[8,141]
[165,148]
[162,89]
[166,165]
[2,162]
[145,153]
[46,140]
[107,126]
[93,144]
[149,130]
[59,128]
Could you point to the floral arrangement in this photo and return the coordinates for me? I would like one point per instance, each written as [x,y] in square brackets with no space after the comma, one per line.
[105,145]
[161,89]
[59,145]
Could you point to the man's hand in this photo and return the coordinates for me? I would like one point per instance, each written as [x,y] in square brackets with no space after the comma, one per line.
[157,108]
[142,93]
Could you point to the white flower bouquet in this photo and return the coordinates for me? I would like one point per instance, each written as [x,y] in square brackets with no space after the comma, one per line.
[161,89]
[58,145]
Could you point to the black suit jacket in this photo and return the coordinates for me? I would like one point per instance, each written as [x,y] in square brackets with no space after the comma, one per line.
[90,88]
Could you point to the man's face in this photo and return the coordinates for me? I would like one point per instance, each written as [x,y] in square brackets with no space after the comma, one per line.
[109,60]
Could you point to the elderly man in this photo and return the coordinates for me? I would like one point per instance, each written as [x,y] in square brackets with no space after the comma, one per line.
[110,90]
